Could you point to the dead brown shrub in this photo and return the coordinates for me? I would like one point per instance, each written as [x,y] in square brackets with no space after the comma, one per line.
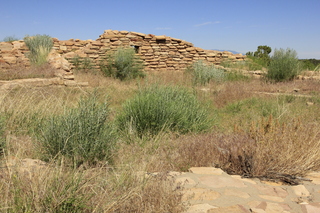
[290,148]
[229,152]
[271,150]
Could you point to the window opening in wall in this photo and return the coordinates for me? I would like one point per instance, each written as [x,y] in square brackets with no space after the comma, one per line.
[161,41]
[136,48]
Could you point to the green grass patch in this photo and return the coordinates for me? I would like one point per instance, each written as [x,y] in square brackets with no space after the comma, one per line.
[236,76]
[203,73]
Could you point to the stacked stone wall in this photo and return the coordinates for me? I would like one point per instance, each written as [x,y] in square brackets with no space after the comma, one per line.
[157,52]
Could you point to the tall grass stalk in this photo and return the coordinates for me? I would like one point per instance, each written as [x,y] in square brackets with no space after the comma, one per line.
[39,47]
[2,135]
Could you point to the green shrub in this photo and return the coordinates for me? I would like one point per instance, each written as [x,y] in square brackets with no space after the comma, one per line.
[160,108]
[39,47]
[202,73]
[123,64]
[10,39]
[284,65]
[82,64]
[82,134]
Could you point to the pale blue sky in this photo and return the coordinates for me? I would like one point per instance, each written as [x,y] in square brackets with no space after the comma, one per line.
[239,25]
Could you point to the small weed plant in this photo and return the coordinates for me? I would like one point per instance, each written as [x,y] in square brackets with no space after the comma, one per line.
[123,64]
[39,47]
[203,73]
[82,134]
[159,108]
[284,65]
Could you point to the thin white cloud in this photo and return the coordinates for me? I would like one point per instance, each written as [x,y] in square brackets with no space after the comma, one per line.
[207,23]
[163,28]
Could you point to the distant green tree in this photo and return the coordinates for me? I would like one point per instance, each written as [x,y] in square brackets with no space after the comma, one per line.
[263,51]
[249,53]
[261,55]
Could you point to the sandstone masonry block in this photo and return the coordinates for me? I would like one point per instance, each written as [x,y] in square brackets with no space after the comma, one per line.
[170,52]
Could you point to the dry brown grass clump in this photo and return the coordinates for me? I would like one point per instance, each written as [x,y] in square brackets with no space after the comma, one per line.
[21,72]
[44,187]
[231,92]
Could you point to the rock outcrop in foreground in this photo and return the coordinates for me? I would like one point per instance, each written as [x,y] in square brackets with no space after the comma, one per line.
[210,190]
